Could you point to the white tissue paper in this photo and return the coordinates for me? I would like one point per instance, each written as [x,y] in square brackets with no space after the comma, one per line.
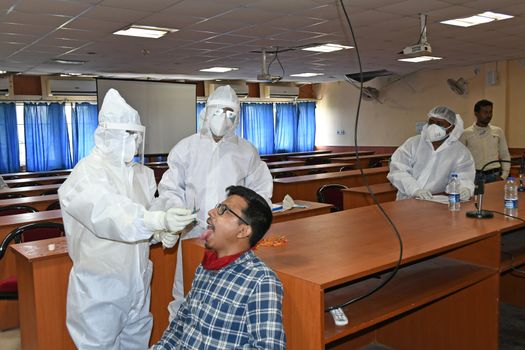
[288,202]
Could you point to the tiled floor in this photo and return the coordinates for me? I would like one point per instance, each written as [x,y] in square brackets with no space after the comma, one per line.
[10,340]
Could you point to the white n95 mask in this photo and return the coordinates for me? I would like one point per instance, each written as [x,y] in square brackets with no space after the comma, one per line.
[221,121]
[436,132]
[130,147]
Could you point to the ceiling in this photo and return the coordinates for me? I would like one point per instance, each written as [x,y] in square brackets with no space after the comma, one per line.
[226,32]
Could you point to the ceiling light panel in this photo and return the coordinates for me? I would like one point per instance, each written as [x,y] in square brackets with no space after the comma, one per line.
[481,18]
[420,59]
[145,31]
[218,69]
[327,48]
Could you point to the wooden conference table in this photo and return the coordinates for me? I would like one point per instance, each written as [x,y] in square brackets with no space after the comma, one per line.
[445,295]
[285,156]
[329,155]
[9,308]
[355,197]
[305,169]
[306,186]
[42,282]
[31,174]
[28,181]
[30,190]
[40,203]
[284,163]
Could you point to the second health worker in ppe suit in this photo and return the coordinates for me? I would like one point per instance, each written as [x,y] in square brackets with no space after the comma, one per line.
[422,165]
[203,165]
[105,205]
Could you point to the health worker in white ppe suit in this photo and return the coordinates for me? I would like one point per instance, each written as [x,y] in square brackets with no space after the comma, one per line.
[104,206]
[203,165]
[422,165]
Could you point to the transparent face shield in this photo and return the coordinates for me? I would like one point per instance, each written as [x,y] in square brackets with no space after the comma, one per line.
[130,140]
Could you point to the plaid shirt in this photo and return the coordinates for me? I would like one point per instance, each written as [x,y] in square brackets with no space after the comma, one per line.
[236,307]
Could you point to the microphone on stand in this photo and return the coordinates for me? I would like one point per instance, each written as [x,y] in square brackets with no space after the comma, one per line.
[521,187]
[480,191]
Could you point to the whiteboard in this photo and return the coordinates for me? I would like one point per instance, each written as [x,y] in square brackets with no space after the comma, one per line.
[167,110]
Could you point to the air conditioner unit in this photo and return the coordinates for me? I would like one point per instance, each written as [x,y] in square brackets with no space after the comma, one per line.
[286,91]
[72,87]
[4,86]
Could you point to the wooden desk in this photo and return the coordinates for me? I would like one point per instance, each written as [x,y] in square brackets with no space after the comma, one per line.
[31,174]
[9,308]
[365,160]
[312,209]
[445,295]
[356,197]
[38,202]
[330,155]
[512,285]
[27,181]
[30,190]
[285,156]
[305,187]
[284,163]
[305,169]
[43,277]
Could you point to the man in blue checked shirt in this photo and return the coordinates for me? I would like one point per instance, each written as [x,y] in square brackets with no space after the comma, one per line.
[235,301]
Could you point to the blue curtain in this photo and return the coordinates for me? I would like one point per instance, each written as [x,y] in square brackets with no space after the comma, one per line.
[257,123]
[306,127]
[200,107]
[286,127]
[47,144]
[84,121]
[9,156]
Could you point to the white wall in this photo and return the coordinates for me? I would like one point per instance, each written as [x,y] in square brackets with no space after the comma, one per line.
[406,100]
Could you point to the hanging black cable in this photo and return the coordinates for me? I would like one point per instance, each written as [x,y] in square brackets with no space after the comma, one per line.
[398,263]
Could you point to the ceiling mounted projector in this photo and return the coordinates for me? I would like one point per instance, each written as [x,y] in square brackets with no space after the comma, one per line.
[422,47]
[265,74]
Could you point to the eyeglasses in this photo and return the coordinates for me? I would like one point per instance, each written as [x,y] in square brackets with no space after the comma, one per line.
[221,208]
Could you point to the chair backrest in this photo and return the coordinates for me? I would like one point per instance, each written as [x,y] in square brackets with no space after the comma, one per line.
[32,232]
[284,174]
[53,206]
[48,192]
[27,184]
[317,171]
[346,167]
[11,195]
[16,209]
[313,161]
[331,193]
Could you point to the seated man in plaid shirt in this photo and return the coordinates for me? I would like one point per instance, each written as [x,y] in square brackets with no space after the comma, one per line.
[235,300]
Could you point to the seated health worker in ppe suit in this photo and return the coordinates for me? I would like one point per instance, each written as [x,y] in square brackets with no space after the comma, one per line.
[108,227]
[422,165]
[202,165]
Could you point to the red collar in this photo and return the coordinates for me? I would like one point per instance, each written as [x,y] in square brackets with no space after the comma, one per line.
[210,261]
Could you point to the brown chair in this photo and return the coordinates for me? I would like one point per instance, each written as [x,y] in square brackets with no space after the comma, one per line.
[27,233]
[284,174]
[53,206]
[11,195]
[16,209]
[313,161]
[331,194]
[48,192]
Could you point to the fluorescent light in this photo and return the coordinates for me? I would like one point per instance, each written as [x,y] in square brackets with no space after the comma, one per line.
[306,75]
[327,48]
[218,69]
[145,31]
[481,18]
[63,61]
[420,59]
[3,71]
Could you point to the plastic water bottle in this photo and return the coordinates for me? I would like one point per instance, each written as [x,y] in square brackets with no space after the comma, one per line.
[511,197]
[454,202]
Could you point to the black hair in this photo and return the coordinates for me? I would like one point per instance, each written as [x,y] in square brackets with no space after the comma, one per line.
[482,103]
[257,212]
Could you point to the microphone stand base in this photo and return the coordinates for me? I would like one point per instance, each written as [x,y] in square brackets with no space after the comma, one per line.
[481,214]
